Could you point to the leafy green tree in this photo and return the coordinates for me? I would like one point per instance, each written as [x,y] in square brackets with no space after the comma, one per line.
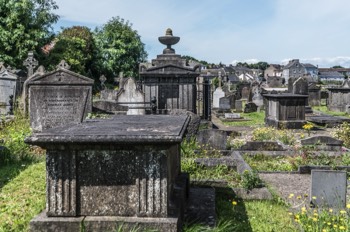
[24,25]
[76,46]
[120,48]
[337,66]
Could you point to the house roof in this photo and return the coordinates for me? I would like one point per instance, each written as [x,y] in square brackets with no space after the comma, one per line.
[330,74]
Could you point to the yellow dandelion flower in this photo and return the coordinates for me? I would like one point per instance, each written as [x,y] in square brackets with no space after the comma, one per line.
[330,210]
[335,226]
[314,198]
[297,216]
[348,206]
[324,230]
[314,219]
[299,197]
[342,211]
[328,223]
[291,195]
[341,227]
[290,213]
[234,203]
[303,209]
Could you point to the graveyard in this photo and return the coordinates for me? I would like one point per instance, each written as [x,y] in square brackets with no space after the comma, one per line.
[171,151]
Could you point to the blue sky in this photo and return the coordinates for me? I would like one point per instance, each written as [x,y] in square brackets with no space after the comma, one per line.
[227,31]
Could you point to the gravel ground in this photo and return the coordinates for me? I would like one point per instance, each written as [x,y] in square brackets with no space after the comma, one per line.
[287,184]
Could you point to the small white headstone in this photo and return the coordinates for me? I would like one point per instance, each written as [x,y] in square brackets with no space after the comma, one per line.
[218,93]
[232,115]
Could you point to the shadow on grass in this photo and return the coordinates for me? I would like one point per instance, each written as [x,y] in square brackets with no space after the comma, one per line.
[10,171]
[228,211]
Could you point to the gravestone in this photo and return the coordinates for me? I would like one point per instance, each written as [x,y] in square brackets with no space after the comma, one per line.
[300,86]
[324,143]
[328,188]
[214,139]
[58,98]
[7,91]
[225,103]
[245,93]
[132,97]
[239,106]
[232,115]
[218,93]
[314,95]
[124,171]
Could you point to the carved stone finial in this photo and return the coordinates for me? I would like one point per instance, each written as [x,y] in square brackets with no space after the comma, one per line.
[169,32]
[103,80]
[63,65]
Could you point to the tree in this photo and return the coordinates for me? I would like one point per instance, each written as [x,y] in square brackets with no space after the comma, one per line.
[120,48]
[337,66]
[76,46]
[24,25]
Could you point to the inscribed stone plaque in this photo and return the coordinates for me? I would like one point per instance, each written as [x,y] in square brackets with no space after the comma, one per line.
[232,115]
[59,98]
[329,188]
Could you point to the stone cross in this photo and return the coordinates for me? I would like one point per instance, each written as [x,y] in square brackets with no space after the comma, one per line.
[30,63]
[103,80]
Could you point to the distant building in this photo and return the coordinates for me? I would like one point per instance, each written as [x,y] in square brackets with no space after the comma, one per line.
[296,69]
[274,70]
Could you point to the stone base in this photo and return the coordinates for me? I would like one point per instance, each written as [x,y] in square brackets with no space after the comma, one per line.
[297,124]
[43,223]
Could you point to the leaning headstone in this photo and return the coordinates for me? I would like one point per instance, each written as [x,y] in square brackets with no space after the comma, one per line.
[328,188]
[7,90]
[218,93]
[58,98]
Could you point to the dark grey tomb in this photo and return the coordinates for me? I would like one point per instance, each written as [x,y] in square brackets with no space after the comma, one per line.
[124,171]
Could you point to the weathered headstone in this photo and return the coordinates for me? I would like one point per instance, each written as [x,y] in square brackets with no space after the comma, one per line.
[245,93]
[214,139]
[339,97]
[7,90]
[328,188]
[324,143]
[58,98]
[218,93]
[300,86]
[224,103]
[239,106]
[131,97]
[314,95]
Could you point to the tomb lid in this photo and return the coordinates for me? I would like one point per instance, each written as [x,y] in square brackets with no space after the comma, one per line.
[120,129]
[60,76]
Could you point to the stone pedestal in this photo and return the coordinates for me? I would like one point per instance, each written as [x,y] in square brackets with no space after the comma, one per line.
[285,111]
[124,171]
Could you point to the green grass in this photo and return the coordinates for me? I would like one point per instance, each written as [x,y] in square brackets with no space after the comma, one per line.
[326,111]
[22,198]
[247,216]
[255,119]
[261,162]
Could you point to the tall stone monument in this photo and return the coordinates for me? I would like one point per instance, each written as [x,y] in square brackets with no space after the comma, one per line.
[169,79]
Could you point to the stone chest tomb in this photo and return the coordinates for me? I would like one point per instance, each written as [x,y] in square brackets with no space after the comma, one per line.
[59,97]
[120,171]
